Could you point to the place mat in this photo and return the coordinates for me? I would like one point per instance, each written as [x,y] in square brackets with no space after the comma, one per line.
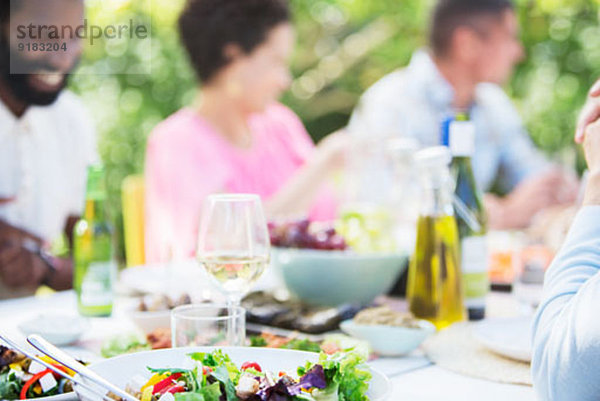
[456,349]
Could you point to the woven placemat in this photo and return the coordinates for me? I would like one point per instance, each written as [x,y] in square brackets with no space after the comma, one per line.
[457,350]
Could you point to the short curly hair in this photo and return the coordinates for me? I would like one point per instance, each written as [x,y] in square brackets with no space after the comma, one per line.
[207,26]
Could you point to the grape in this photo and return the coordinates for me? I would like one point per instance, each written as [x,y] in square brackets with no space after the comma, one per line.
[303,225]
[330,232]
[338,242]
[293,237]
[303,234]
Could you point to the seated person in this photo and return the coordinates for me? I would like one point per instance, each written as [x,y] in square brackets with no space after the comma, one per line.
[474,46]
[238,138]
[566,329]
[47,141]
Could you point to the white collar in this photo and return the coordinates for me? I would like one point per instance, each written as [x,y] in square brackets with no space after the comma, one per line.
[426,74]
[8,119]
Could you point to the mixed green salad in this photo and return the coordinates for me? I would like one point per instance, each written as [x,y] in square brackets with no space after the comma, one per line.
[339,377]
[21,378]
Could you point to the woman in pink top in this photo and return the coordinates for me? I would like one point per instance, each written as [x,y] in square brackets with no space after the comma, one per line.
[239,138]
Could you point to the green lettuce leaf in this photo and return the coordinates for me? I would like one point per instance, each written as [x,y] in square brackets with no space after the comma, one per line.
[189,397]
[212,392]
[222,375]
[216,359]
[10,386]
[346,374]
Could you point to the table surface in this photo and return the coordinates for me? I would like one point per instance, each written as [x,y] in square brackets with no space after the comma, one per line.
[413,377]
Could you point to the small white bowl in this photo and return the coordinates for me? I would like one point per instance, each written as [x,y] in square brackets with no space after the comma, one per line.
[390,340]
[59,329]
[147,321]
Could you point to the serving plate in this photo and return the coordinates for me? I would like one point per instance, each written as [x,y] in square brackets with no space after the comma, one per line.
[120,370]
[509,337]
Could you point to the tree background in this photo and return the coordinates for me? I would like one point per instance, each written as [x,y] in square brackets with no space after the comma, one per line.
[343,47]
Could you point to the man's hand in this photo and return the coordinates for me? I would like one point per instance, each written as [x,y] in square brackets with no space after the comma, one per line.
[591,146]
[10,233]
[516,210]
[4,201]
[589,113]
[20,265]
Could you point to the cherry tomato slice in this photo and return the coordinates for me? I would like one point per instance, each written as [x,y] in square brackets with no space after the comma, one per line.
[253,365]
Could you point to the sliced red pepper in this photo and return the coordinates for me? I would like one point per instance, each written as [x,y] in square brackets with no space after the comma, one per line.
[60,367]
[173,388]
[176,389]
[163,384]
[206,370]
[253,365]
[32,381]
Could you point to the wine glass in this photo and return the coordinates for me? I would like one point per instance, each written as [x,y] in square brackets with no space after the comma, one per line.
[233,243]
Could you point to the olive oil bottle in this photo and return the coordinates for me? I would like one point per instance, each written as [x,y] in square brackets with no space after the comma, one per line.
[434,287]
[470,217]
[95,269]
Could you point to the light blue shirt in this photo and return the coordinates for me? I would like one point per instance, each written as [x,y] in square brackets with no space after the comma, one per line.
[566,329]
[414,101]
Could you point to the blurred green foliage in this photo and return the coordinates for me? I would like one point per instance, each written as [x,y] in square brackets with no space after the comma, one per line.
[343,47]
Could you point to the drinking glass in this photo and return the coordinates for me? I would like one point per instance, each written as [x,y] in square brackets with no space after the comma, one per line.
[233,243]
[208,325]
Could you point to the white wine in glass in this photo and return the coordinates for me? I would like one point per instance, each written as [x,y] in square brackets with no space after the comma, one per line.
[233,243]
[235,274]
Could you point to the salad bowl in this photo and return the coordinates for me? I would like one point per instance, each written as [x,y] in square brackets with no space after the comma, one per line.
[122,370]
[333,277]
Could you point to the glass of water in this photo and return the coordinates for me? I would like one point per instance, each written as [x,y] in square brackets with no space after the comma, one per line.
[208,325]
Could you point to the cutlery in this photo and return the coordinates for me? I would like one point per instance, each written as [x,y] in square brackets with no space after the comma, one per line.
[62,357]
[56,370]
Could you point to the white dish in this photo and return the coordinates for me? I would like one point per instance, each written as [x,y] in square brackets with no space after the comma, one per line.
[57,328]
[509,337]
[390,340]
[185,277]
[121,369]
[147,322]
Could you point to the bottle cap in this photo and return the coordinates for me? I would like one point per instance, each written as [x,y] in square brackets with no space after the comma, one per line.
[462,138]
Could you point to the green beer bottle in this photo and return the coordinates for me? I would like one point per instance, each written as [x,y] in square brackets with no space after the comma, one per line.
[470,217]
[94,267]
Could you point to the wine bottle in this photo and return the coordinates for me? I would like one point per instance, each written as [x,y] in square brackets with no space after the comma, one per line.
[470,216]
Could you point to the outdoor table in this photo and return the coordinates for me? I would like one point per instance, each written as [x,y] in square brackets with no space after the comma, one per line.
[413,377]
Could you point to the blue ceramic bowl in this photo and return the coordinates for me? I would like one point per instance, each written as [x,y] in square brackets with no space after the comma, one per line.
[331,278]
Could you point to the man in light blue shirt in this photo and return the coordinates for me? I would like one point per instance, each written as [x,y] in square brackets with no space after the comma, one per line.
[566,329]
[474,48]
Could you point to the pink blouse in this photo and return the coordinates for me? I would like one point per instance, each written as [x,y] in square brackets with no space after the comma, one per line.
[186,160]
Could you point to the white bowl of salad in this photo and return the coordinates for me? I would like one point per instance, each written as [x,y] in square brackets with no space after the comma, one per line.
[240,374]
